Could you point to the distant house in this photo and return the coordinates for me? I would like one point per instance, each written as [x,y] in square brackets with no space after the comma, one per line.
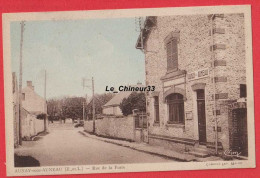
[31,101]
[100,100]
[32,106]
[112,106]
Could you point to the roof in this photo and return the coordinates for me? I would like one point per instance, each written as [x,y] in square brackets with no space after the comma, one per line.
[149,22]
[118,98]
[28,89]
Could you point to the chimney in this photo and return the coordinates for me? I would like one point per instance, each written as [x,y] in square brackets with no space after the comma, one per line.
[29,84]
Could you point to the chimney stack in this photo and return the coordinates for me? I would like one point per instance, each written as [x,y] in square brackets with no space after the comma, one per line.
[29,84]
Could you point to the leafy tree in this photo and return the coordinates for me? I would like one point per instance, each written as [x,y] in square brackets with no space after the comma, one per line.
[72,107]
[53,108]
[100,100]
[134,101]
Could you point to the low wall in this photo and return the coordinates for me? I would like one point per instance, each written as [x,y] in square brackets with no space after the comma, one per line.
[31,126]
[114,127]
[88,126]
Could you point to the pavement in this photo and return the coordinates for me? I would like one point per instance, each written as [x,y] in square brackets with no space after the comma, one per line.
[66,145]
[154,150]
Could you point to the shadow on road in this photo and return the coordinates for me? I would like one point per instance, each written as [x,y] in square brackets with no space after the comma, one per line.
[25,161]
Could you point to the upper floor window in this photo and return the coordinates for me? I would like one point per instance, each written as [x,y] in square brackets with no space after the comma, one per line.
[172,54]
[156,109]
[23,96]
[242,90]
[171,45]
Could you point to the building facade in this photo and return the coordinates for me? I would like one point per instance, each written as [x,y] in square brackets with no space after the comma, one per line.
[197,64]
[15,109]
[31,101]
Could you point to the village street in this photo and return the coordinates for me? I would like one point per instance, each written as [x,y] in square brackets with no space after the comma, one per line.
[64,145]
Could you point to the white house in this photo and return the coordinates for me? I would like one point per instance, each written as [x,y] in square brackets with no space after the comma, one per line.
[31,101]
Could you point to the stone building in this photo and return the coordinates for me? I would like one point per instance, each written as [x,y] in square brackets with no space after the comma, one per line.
[15,109]
[197,64]
[28,125]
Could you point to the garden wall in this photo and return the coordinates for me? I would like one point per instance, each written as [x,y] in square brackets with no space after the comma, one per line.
[114,127]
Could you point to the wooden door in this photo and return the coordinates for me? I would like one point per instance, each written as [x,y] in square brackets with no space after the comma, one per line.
[240,140]
[201,116]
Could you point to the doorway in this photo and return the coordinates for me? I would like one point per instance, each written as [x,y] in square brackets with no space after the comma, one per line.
[201,116]
[239,131]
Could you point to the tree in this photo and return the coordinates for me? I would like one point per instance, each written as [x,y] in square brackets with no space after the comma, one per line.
[134,101]
[53,108]
[73,107]
[100,100]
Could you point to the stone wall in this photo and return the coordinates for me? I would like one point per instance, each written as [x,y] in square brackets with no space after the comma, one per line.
[195,53]
[115,127]
[31,126]
[88,126]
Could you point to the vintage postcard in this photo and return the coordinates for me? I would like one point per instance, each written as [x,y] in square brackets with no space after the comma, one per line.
[128,90]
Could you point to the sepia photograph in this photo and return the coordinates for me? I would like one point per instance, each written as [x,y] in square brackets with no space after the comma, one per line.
[128,90]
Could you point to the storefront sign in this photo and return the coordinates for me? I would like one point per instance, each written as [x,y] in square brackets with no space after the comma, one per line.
[198,74]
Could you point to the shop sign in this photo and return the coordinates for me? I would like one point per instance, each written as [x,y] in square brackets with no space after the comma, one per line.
[198,74]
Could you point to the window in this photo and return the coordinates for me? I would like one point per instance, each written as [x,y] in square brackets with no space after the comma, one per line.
[175,104]
[156,109]
[242,90]
[172,54]
[23,96]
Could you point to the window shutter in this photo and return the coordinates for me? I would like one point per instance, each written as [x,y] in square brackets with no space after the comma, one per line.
[172,54]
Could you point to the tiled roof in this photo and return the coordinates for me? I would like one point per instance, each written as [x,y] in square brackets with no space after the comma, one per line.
[118,98]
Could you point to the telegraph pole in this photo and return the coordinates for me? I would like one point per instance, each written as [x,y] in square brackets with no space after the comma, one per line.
[83,111]
[93,99]
[86,101]
[20,84]
[45,106]
[93,104]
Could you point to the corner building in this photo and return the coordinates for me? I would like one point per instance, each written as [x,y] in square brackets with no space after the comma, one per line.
[197,64]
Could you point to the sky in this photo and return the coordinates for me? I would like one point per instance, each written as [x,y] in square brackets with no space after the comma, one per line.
[72,49]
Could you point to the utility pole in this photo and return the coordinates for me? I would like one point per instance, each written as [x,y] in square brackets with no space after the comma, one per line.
[86,101]
[20,84]
[45,106]
[93,104]
[83,111]
[93,99]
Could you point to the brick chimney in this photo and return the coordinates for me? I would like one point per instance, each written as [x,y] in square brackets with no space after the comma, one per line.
[29,84]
